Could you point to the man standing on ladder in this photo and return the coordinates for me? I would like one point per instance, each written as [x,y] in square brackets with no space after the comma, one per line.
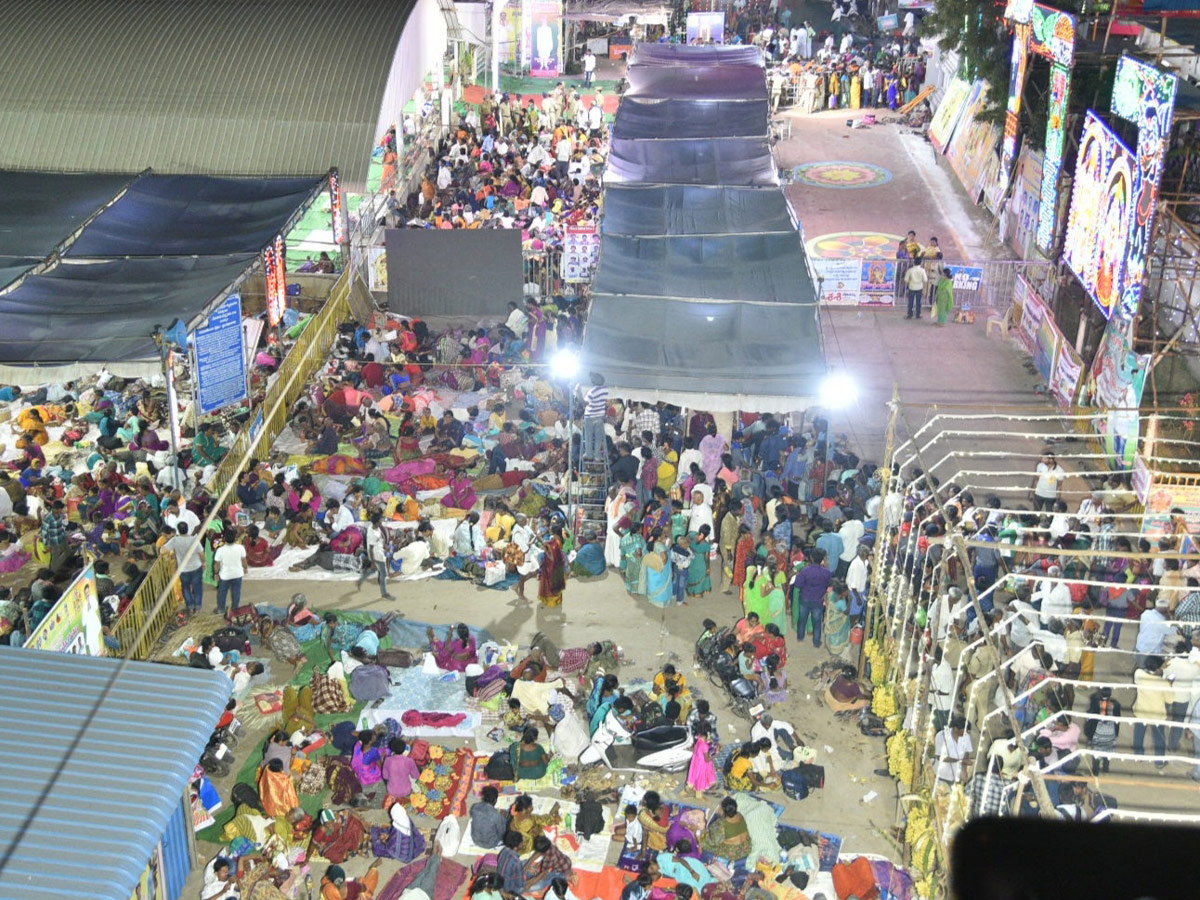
[595,409]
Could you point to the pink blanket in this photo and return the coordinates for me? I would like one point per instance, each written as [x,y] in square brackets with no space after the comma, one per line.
[402,472]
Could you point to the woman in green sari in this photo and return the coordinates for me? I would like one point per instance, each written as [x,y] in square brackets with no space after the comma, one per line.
[765,595]
[837,618]
[728,835]
[633,548]
[943,303]
[529,758]
[699,581]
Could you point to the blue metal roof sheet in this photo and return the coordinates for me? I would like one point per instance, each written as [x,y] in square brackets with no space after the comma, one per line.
[81,821]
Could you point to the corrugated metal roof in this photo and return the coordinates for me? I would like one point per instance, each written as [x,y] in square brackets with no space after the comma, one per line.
[105,802]
[224,87]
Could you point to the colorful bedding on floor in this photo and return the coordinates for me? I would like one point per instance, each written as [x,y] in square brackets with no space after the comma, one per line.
[550,781]
[445,786]
[586,856]
[413,689]
[450,879]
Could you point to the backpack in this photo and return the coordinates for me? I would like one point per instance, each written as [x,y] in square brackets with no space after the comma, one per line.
[795,785]
[1105,733]
[418,752]
[589,820]
[500,767]
[814,775]
[370,683]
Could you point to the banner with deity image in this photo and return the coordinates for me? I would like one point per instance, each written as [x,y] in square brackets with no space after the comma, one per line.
[541,21]
[1101,211]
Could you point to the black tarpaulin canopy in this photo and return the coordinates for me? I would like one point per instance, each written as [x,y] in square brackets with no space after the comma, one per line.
[732,161]
[695,209]
[105,311]
[764,268]
[711,356]
[194,215]
[42,209]
[689,118]
[706,55]
[152,248]
[697,83]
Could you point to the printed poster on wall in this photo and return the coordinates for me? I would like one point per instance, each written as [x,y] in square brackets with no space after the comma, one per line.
[1037,331]
[542,20]
[1068,368]
[842,280]
[73,623]
[973,144]
[1025,202]
[966,278]
[1114,385]
[949,111]
[877,286]
[377,279]
[706,28]
[581,253]
[221,358]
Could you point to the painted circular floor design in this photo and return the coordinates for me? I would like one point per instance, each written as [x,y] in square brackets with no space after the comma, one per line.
[854,245]
[841,175]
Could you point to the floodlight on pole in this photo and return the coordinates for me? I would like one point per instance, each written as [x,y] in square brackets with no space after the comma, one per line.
[564,365]
[837,390]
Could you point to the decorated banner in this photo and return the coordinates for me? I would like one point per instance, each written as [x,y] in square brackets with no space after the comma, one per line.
[337,208]
[542,25]
[842,280]
[706,28]
[275,271]
[877,286]
[377,279]
[949,111]
[1101,210]
[973,143]
[1114,385]
[966,278]
[1163,494]
[1146,97]
[1049,33]
[1036,331]
[1068,368]
[73,623]
[220,350]
[1024,203]
[581,253]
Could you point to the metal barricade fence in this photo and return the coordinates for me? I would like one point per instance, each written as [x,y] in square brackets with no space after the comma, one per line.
[990,289]
[140,625]
[543,269]
[306,356]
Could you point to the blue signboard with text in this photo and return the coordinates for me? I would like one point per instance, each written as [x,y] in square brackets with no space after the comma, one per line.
[220,358]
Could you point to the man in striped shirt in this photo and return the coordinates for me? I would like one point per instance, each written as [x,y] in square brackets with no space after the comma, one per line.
[595,408]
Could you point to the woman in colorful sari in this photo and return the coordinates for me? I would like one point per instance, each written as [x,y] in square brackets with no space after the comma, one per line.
[536,332]
[552,573]
[259,553]
[277,790]
[462,492]
[304,624]
[655,579]
[699,581]
[657,517]
[456,652]
[401,840]
[367,759]
[943,303]
[589,559]
[529,825]
[837,618]
[712,447]
[633,548]
[668,467]
[727,836]
[530,760]
[743,553]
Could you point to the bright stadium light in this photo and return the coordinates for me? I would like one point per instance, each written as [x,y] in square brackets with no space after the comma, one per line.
[838,390]
[564,365]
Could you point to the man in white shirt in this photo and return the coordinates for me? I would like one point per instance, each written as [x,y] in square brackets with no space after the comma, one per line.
[1153,631]
[377,555]
[175,513]
[775,730]
[1046,483]
[1183,674]
[857,578]
[589,67]
[953,749]
[229,562]
[562,155]
[337,517]
[941,688]
[595,118]
[915,280]
[1054,595]
[191,569]
[851,533]
[517,321]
